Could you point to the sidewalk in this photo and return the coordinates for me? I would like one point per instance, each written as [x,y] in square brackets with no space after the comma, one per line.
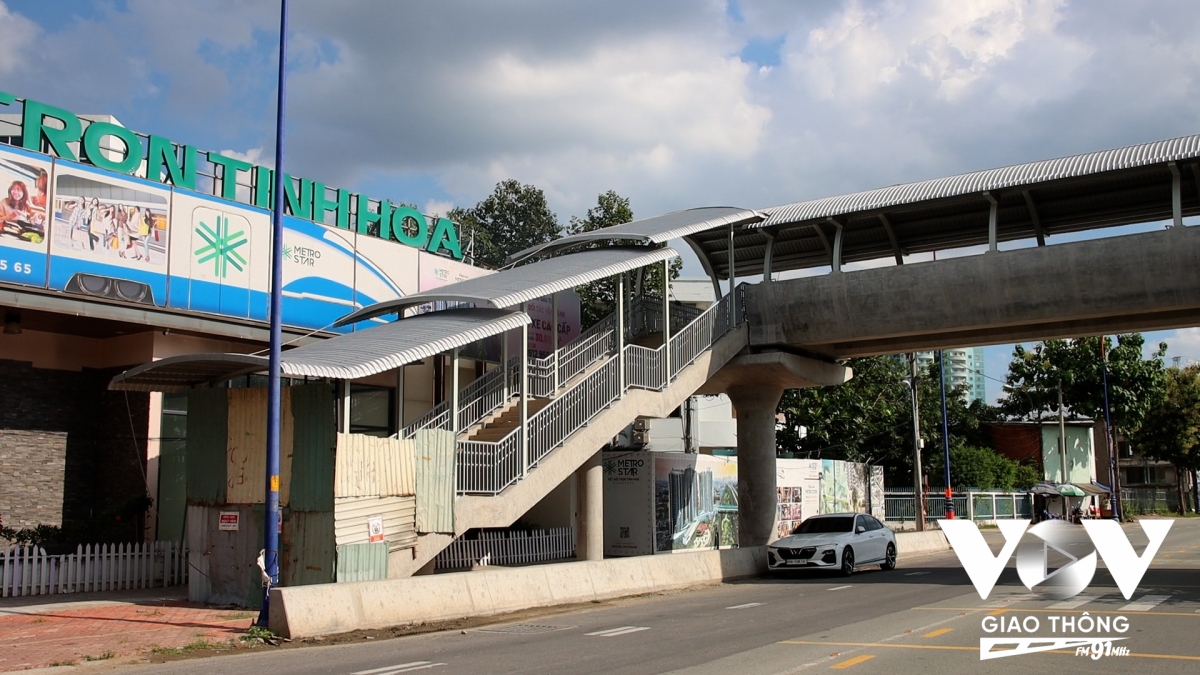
[51,630]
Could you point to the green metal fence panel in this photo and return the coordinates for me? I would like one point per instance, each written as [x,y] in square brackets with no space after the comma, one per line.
[308,550]
[314,447]
[362,562]
[435,480]
[207,424]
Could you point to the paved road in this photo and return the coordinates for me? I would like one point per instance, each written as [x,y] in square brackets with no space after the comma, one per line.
[923,617]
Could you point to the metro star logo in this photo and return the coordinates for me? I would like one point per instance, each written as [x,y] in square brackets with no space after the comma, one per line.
[221,247]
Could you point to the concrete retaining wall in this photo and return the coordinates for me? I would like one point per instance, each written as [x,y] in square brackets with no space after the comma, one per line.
[920,542]
[304,611]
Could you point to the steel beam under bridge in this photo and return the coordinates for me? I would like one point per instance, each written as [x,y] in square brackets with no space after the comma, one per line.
[1130,283]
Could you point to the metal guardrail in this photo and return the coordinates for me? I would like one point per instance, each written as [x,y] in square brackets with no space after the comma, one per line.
[971,505]
[490,467]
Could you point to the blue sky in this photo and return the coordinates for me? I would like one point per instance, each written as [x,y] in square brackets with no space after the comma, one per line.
[675,103]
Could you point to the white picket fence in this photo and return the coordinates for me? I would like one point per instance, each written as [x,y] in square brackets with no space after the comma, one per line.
[27,570]
[508,547]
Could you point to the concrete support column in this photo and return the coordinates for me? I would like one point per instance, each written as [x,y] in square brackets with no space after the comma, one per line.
[590,542]
[756,405]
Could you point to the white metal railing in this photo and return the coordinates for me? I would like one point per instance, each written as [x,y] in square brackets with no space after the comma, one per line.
[28,570]
[438,417]
[575,407]
[480,398]
[488,467]
[508,547]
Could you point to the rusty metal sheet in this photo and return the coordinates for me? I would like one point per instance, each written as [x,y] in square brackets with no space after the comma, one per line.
[352,514]
[435,480]
[362,562]
[206,469]
[224,563]
[314,441]
[368,466]
[246,446]
[307,552]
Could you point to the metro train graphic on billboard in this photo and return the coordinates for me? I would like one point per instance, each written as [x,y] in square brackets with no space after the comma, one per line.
[77,229]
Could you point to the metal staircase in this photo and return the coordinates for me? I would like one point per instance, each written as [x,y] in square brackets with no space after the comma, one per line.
[582,396]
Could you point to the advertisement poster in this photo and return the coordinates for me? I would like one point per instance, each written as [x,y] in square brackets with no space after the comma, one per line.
[221,259]
[110,235]
[628,503]
[878,506]
[695,501]
[798,486]
[541,339]
[24,219]
[383,270]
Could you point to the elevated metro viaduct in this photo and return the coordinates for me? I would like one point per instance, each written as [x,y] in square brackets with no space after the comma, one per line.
[792,332]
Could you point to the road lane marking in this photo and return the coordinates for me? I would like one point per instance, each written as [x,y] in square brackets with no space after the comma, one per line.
[954,648]
[748,605]
[1145,603]
[1044,610]
[852,662]
[938,632]
[614,632]
[838,588]
[1077,601]
[1018,597]
[915,574]
[399,668]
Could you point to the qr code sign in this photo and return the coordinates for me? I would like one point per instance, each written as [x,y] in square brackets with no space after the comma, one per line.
[624,532]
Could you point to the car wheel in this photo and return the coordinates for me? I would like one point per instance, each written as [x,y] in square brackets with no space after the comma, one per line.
[847,561]
[889,558]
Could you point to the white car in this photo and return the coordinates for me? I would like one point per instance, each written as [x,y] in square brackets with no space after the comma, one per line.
[841,541]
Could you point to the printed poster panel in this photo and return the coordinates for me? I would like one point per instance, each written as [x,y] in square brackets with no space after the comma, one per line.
[383,270]
[695,501]
[110,235]
[878,505]
[318,275]
[24,218]
[798,487]
[628,503]
[220,255]
[541,336]
[835,487]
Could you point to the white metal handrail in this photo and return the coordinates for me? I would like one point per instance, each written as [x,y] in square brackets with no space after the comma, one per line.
[483,396]
[551,426]
[699,335]
[438,417]
[643,367]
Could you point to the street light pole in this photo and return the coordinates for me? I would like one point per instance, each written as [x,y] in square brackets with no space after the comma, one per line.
[945,436]
[1109,437]
[918,484]
[272,521]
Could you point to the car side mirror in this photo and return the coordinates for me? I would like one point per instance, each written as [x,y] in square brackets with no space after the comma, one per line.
[860,529]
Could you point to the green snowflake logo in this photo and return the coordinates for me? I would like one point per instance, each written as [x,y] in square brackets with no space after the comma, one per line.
[221,247]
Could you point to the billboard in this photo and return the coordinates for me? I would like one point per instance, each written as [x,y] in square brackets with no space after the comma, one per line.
[628,501]
[76,229]
[798,484]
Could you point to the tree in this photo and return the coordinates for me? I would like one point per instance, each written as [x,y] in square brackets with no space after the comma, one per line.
[599,299]
[511,219]
[1171,429]
[974,466]
[869,419]
[1135,383]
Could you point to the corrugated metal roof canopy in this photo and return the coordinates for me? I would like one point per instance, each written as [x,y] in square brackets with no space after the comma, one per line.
[1056,196]
[656,230]
[345,357]
[527,282]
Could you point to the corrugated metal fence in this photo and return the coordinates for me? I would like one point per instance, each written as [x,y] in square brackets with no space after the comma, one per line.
[27,570]
[508,547]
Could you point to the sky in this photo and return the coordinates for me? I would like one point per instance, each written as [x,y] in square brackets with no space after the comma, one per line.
[673,103]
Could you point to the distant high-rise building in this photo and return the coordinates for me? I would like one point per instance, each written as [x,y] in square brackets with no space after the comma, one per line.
[962,367]
[690,494]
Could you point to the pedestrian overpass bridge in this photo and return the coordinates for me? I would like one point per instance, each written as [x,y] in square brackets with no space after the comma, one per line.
[528,424]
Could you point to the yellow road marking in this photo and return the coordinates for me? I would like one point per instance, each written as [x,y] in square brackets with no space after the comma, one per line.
[936,633]
[1055,611]
[953,648]
[852,662]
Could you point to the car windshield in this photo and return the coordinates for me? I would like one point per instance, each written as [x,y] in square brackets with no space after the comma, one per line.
[833,524]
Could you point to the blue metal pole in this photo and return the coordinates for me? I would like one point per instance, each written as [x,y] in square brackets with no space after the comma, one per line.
[1109,437]
[273,521]
[945,436]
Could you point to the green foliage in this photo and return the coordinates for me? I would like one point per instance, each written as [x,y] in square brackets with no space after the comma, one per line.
[599,299]
[1171,431]
[513,218]
[1027,476]
[973,466]
[869,419]
[1135,383]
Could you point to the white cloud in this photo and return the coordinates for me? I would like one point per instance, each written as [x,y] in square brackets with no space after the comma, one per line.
[254,156]
[19,33]
[435,207]
[1185,343]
